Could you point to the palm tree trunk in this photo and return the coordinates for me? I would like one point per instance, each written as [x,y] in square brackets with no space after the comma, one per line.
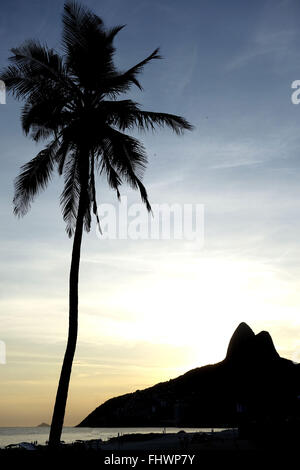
[63,386]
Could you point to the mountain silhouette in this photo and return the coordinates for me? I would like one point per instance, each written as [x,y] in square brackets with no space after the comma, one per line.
[252,380]
[245,346]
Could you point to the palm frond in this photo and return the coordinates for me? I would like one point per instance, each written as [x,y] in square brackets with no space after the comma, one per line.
[106,167]
[126,114]
[148,120]
[44,116]
[93,192]
[117,83]
[70,196]
[133,72]
[89,46]
[112,32]
[34,177]
[128,158]
[87,220]
[40,58]
[19,81]
[78,20]
[62,152]
[36,69]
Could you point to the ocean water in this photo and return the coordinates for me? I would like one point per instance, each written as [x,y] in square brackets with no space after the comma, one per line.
[15,435]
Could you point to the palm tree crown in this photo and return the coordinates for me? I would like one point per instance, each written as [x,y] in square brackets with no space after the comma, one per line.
[70,100]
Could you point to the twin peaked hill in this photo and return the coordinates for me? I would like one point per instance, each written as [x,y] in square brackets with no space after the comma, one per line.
[252,377]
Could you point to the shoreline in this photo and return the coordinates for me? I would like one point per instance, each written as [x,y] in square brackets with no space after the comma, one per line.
[16,435]
[225,440]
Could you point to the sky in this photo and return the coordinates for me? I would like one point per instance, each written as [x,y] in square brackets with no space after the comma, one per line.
[153,309]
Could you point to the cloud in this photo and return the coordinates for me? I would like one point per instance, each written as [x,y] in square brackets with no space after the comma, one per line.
[276,44]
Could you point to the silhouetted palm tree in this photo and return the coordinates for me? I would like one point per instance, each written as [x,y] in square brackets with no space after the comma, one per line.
[70,101]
